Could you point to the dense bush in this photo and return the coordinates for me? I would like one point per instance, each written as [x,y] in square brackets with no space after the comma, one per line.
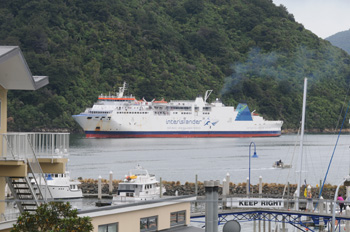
[245,50]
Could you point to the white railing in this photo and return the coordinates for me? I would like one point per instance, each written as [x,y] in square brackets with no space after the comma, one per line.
[45,145]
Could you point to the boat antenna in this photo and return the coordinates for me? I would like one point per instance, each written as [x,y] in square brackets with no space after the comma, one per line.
[207,94]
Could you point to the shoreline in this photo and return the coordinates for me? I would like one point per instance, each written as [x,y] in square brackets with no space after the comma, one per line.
[90,186]
[315,131]
[283,131]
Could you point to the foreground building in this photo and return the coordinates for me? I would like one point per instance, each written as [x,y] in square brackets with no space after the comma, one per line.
[25,157]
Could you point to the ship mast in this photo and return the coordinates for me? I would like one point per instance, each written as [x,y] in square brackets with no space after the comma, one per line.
[301,143]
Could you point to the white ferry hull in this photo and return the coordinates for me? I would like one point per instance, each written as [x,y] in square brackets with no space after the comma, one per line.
[158,126]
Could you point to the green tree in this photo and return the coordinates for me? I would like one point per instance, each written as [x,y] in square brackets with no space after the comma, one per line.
[53,216]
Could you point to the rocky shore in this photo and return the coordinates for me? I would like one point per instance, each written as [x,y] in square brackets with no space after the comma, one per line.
[89,186]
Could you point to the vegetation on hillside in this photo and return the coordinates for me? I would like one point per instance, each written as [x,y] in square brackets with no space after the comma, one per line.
[245,50]
[341,40]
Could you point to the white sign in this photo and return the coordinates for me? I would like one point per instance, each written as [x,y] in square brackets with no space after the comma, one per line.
[254,203]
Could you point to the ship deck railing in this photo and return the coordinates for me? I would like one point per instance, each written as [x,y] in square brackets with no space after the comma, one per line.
[17,146]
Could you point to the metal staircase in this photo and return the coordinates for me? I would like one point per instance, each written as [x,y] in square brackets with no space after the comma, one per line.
[25,193]
[31,190]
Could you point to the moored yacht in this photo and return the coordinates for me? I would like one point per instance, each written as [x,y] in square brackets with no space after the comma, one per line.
[62,186]
[138,185]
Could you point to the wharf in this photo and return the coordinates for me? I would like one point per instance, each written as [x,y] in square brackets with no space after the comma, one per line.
[94,195]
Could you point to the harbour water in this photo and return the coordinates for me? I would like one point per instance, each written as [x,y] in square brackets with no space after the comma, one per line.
[180,159]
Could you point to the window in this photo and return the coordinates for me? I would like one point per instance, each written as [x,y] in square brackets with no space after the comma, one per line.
[149,223]
[108,228]
[178,218]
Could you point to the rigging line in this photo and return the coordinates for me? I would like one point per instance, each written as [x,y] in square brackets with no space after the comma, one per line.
[291,162]
[346,96]
[330,162]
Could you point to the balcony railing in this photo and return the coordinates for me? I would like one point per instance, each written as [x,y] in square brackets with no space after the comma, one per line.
[44,145]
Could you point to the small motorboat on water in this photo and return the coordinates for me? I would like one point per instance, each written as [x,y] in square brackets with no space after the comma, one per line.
[280,164]
[62,186]
[138,185]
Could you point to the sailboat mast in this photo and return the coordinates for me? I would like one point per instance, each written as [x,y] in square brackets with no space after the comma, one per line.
[301,142]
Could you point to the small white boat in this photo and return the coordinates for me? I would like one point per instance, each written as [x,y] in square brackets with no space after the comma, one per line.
[139,185]
[62,187]
[280,164]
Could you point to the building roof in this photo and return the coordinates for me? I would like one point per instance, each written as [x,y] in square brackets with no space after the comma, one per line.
[15,73]
[116,209]
[185,229]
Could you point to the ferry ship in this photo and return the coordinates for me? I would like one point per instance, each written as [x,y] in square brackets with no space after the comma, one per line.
[121,116]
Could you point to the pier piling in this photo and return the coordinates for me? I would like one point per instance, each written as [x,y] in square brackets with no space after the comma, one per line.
[260,186]
[248,193]
[110,183]
[99,188]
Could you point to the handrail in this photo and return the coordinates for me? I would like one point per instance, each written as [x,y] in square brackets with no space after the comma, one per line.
[38,174]
[44,145]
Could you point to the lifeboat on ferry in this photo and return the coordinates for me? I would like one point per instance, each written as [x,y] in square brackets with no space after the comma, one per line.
[161,101]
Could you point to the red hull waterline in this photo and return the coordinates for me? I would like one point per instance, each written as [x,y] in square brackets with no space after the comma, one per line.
[180,135]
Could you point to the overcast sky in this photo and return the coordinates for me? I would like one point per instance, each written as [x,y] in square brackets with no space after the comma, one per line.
[323,17]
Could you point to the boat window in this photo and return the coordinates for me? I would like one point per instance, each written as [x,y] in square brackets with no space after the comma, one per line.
[129,194]
[89,117]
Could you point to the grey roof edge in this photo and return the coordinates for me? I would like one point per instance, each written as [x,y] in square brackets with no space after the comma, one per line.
[167,199]
[37,81]
[13,50]
[40,81]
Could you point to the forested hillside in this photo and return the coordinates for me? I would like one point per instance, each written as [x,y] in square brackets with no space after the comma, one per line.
[245,50]
[341,40]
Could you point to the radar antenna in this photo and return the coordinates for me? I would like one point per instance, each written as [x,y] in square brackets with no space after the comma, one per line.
[121,90]
[207,94]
